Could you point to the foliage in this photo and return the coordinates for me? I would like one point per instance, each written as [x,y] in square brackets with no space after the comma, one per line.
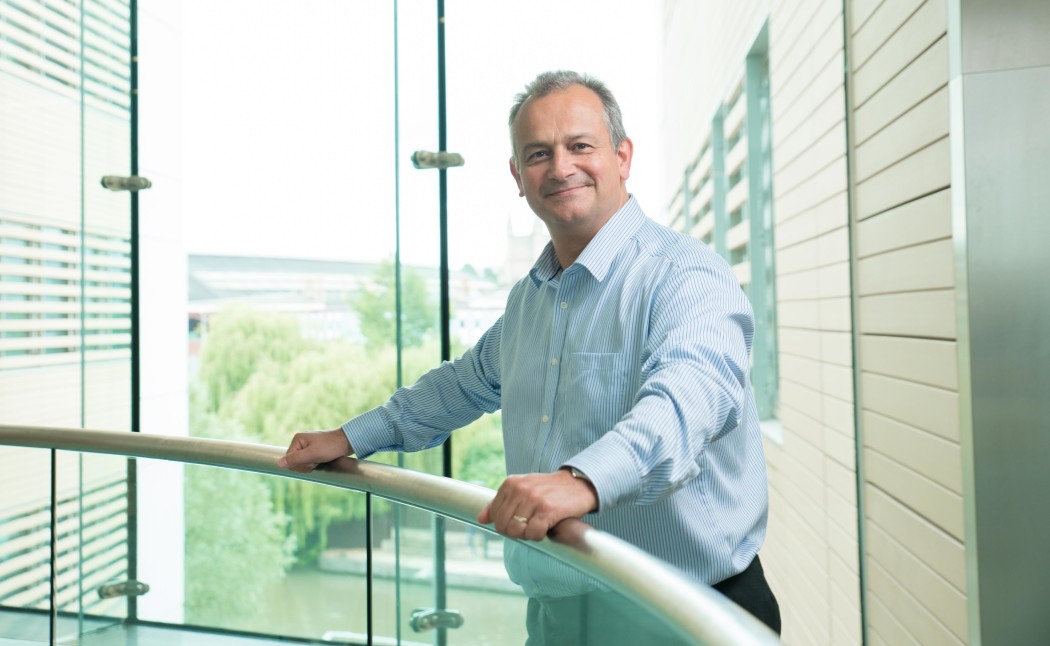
[236,545]
[376,309]
[477,452]
[238,342]
[262,381]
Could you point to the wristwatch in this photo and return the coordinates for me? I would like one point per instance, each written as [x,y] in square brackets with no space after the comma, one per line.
[580,475]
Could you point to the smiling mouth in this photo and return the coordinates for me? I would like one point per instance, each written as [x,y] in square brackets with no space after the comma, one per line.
[565,191]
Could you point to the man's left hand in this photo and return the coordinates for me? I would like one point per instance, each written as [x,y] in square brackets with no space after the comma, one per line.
[528,506]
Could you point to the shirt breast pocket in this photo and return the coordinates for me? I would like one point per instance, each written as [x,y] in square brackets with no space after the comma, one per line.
[595,395]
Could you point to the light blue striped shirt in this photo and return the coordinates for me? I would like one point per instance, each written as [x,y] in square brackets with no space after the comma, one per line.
[631,365]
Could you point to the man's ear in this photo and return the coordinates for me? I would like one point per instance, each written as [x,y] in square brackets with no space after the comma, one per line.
[624,154]
[517,177]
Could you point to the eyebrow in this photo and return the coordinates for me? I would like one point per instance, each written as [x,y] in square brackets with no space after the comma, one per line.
[572,139]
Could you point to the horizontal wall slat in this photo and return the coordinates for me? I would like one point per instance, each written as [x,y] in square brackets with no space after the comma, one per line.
[922,173]
[923,267]
[936,458]
[914,619]
[926,361]
[918,128]
[943,553]
[931,409]
[941,506]
[924,76]
[875,35]
[922,220]
[919,314]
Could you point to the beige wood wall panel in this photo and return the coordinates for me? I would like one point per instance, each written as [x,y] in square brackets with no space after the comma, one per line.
[821,41]
[921,30]
[860,12]
[800,370]
[836,381]
[789,21]
[921,126]
[920,314]
[803,285]
[838,416]
[923,267]
[833,281]
[922,220]
[832,213]
[922,452]
[822,153]
[823,185]
[941,506]
[940,551]
[923,173]
[793,139]
[926,361]
[799,257]
[931,409]
[841,504]
[789,574]
[799,314]
[924,76]
[835,314]
[802,423]
[790,116]
[798,342]
[795,230]
[836,347]
[907,612]
[884,30]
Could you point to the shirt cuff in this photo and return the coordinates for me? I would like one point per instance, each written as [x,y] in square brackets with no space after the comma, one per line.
[369,433]
[611,467]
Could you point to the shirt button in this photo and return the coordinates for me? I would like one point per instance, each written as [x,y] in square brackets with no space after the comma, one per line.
[564,305]
[554,361]
[546,419]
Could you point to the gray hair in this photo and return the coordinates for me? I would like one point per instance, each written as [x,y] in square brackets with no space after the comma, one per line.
[559,81]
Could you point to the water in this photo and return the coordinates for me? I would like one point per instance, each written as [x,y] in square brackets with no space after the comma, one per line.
[310,602]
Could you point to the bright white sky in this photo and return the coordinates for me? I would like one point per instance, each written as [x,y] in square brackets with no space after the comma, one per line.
[288,118]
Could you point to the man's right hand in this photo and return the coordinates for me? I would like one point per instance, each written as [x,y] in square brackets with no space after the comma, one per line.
[310,449]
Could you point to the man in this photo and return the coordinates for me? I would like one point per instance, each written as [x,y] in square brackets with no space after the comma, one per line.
[621,367]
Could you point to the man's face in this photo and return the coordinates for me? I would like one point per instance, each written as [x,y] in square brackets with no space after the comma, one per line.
[566,166]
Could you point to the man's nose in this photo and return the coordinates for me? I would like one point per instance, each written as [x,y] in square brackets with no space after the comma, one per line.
[562,165]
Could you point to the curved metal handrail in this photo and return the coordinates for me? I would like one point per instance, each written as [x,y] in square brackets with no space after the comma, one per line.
[697,612]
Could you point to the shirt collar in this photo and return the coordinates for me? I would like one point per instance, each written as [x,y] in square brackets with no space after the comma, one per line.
[598,255]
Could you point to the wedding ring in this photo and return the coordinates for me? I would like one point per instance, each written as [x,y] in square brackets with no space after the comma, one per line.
[521,519]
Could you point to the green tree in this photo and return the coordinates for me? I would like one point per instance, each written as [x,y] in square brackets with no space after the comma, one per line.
[237,342]
[236,543]
[375,308]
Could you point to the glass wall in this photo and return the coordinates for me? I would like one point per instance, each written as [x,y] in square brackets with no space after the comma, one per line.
[65,300]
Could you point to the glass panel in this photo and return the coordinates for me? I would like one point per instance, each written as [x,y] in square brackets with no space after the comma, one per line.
[245,569]
[278,168]
[478,589]
[65,299]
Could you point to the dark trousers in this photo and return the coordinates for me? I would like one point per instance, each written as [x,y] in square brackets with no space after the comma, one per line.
[607,619]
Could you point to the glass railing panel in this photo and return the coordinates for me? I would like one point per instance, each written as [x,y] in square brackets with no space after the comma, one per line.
[262,555]
[25,544]
[237,521]
[477,588]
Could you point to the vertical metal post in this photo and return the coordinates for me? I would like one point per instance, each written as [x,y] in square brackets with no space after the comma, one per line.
[440,601]
[136,345]
[398,323]
[53,615]
[718,176]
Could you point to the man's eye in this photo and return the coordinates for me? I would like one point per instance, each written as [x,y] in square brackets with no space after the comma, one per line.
[580,146]
[538,154]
